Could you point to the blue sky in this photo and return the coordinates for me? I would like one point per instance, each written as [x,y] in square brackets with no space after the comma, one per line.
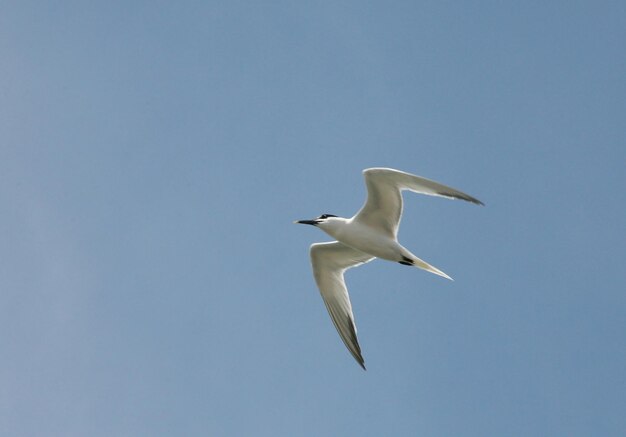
[153,156]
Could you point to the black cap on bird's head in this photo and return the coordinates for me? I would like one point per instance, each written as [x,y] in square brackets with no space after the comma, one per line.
[316,221]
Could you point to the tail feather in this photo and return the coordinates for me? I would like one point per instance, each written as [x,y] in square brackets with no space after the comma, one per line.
[432,269]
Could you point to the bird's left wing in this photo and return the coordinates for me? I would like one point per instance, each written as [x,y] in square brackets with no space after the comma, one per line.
[383,207]
[330,261]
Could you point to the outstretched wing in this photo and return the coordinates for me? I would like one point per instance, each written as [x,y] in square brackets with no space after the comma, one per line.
[383,207]
[330,261]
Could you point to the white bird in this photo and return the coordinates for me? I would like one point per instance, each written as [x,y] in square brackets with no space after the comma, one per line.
[371,233]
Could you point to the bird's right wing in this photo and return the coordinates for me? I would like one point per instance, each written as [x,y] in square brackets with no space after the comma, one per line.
[330,261]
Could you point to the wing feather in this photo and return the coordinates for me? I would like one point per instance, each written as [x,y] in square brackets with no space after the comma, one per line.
[383,207]
[330,261]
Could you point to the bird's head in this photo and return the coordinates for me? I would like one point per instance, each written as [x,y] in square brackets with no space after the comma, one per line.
[324,221]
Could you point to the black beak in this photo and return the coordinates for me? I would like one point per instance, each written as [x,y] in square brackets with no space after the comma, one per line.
[307,222]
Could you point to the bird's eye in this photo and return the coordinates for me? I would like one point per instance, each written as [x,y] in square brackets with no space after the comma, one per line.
[325,216]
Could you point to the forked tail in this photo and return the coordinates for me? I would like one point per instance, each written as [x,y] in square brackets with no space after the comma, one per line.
[424,266]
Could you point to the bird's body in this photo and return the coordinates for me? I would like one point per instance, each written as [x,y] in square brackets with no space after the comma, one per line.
[371,233]
[362,237]
[367,239]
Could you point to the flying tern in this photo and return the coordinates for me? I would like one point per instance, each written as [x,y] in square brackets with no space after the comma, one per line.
[370,233]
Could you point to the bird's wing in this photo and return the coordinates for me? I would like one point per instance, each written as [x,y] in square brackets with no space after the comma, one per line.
[383,207]
[330,261]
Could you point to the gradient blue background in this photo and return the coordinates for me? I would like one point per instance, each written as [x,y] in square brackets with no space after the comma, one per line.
[153,156]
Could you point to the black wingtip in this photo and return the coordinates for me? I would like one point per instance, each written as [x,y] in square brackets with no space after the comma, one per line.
[471,200]
[465,197]
[357,355]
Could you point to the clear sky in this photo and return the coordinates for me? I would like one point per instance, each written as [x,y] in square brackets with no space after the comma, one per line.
[153,156]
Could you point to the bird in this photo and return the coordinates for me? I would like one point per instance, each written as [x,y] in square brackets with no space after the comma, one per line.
[371,233]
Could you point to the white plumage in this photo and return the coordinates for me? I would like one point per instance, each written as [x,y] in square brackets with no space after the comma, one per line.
[371,233]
